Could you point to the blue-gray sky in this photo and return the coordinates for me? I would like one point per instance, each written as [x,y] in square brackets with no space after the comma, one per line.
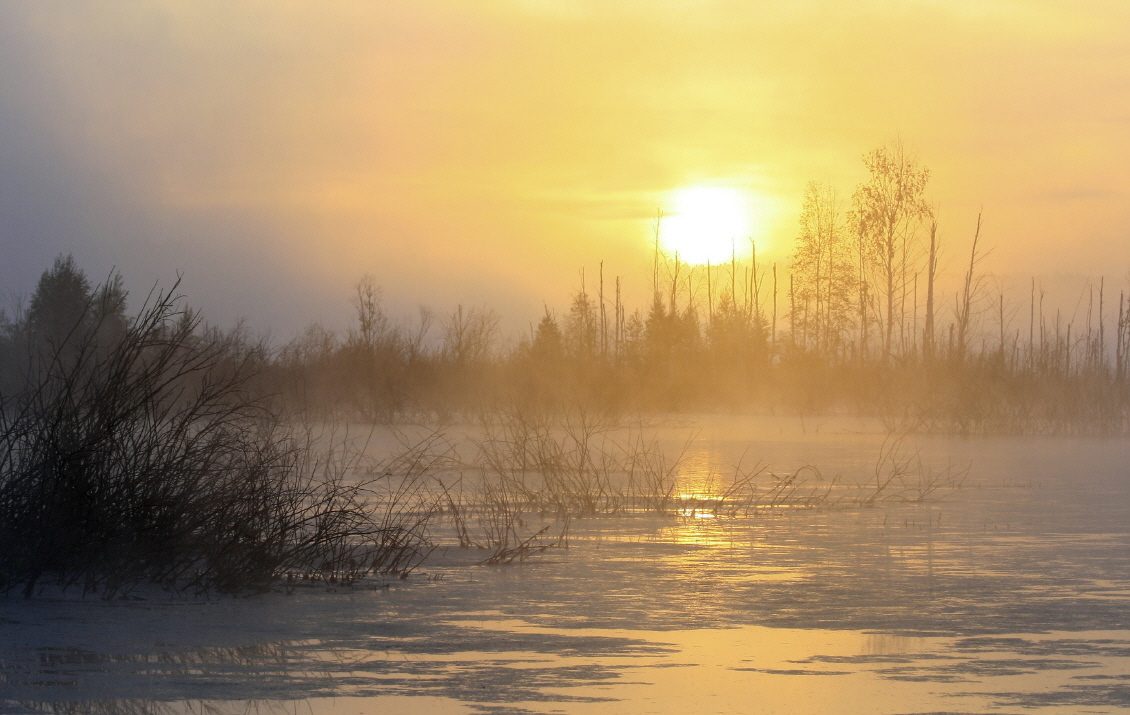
[485,151]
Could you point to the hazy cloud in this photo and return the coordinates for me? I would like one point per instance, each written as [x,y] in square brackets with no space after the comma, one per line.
[485,152]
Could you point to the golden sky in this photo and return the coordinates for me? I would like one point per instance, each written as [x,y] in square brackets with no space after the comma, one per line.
[485,152]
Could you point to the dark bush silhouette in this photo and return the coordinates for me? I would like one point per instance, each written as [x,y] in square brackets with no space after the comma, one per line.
[143,458]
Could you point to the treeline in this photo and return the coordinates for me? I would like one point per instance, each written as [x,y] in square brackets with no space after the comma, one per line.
[70,323]
[696,348]
[858,322]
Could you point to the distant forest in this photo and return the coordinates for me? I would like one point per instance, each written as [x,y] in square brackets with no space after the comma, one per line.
[857,324]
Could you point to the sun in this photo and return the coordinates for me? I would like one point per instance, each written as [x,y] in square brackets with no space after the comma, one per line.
[707,224]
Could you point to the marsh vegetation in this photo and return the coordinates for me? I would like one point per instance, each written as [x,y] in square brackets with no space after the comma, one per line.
[153,453]
[152,448]
[143,451]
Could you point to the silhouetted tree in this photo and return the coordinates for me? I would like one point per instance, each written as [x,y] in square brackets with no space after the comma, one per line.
[61,307]
[372,359]
[109,310]
[582,328]
[823,272]
[547,347]
[64,318]
[469,335]
[889,209]
[973,287]
[372,322]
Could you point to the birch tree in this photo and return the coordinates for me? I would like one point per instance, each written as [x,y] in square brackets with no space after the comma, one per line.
[890,208]
[823,269]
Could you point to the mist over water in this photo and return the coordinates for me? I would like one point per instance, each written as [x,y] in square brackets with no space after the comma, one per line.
[620,509]
[770,358]
[1009,592]
[718,494]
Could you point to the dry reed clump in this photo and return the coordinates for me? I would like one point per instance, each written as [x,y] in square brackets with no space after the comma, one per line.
[575,468]
[533,475]
[485,516]
[559,468]
[899,477]
[144,460]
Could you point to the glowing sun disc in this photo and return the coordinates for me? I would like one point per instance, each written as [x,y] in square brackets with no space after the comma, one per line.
[706,224]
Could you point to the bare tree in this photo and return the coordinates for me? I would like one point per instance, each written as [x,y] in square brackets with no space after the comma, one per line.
[372,322]
[469,335]
[889,210]
[931,276]
[582,327]
[972,288]
[822,267]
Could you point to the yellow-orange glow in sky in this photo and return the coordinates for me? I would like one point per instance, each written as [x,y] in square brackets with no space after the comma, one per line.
[705,224]
[485,152]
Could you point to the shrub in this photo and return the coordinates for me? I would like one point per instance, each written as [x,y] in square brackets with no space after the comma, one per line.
[144,459]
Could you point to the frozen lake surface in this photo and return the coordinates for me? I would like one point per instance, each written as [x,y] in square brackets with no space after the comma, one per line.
[1011,596]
